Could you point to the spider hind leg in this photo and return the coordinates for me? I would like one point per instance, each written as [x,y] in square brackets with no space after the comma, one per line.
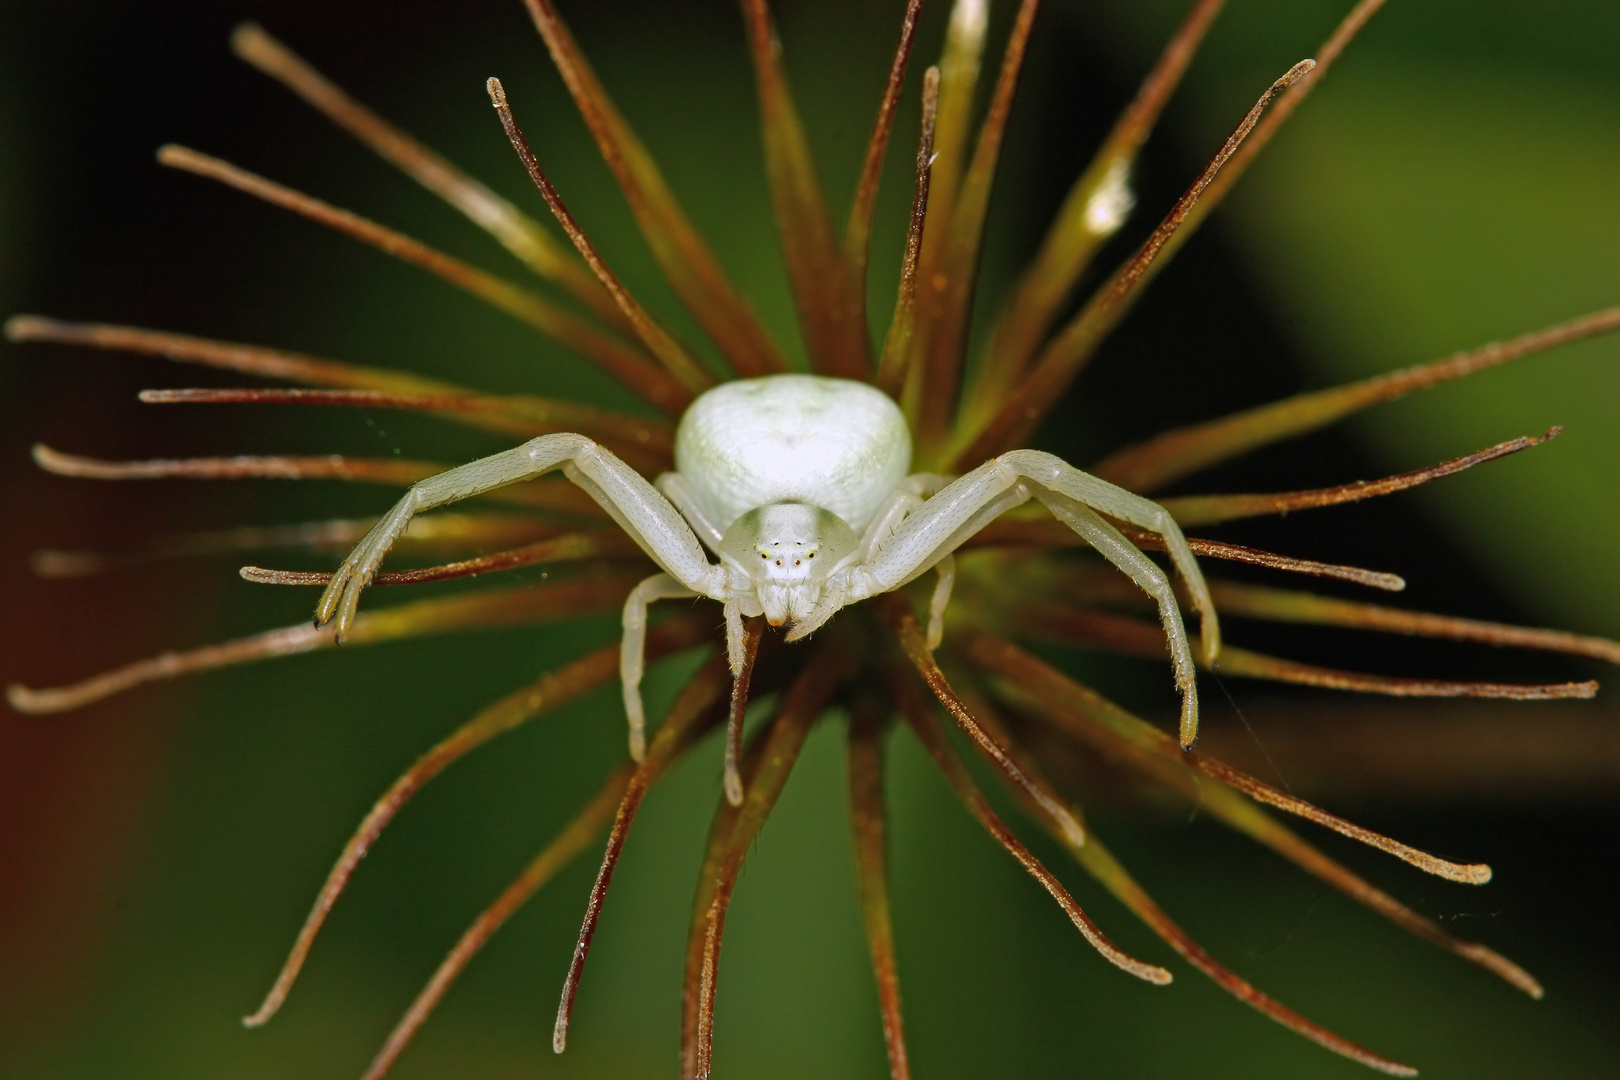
[632,651]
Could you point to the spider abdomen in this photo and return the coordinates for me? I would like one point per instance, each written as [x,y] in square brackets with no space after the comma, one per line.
[833,443]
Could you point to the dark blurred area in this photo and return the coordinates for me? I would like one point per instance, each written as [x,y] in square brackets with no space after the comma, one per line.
[158,850]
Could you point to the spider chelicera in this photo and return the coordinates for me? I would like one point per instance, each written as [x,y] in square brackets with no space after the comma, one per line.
[798,485]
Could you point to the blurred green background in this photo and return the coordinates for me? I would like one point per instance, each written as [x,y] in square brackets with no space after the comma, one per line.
[1457,179]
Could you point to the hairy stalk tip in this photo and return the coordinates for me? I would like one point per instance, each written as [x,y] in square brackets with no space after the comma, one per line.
[657,340]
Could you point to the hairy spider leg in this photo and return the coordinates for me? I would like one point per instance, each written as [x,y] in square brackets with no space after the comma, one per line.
[1113,546]
[645,515]
[946,569]
[633,649]
[1058,475]
[841,588]
[911,494]
[962,508]
[673,486]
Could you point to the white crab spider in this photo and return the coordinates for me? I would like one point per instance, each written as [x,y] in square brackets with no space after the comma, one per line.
[797,484]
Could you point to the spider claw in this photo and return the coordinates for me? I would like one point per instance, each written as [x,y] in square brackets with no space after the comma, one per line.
[635,716]
[327,607]
[341,610]
[1189,717]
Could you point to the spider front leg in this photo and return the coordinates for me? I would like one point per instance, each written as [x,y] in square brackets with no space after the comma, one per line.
[342,596]
[1112,545]
[629,499]
[672,486]
[1057,475]
[911,494]
[962,508]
